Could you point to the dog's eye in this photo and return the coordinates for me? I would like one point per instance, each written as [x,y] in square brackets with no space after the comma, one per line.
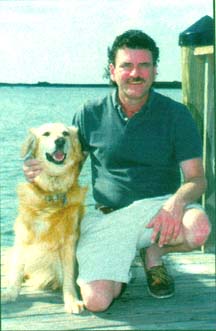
[65,133]
[47,134]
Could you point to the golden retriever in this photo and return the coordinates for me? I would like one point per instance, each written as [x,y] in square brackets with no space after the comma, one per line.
[50,211]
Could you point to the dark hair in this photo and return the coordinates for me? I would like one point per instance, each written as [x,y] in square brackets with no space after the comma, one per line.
[134,39]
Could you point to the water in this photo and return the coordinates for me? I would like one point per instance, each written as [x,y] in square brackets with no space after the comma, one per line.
[22,108]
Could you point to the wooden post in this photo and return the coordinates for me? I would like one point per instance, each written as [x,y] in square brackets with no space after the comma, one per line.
[198,96]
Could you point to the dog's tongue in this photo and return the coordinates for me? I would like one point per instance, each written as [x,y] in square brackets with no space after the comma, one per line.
[58,156]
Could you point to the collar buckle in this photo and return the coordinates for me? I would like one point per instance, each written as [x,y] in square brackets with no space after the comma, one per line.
[62,197]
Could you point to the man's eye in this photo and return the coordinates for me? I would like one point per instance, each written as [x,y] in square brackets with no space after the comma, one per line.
[65,133]
[145,65]
[126,65]
[46,134]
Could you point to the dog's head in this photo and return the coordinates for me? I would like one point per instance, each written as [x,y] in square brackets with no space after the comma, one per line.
[54,144]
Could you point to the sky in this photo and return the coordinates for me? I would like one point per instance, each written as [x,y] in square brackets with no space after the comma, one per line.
[65,41]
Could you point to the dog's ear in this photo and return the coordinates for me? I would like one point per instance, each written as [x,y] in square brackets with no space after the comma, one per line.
[29,146]
[77,151]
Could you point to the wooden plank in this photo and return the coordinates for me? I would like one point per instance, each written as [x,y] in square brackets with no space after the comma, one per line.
[192,307]
[204,50]
[198,96]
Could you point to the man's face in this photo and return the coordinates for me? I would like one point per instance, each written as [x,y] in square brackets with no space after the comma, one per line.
[134,74]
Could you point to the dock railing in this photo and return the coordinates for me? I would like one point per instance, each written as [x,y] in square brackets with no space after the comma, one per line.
[197,56]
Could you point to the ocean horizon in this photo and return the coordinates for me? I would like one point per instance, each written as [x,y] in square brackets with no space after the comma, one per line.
[157,84]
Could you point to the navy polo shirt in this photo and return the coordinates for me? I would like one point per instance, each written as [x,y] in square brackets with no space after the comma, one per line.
[136,158]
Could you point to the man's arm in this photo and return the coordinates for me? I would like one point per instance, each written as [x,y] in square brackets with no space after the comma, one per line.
[168,220]
[194,181]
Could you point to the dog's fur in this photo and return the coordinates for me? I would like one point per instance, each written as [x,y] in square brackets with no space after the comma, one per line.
[50,211]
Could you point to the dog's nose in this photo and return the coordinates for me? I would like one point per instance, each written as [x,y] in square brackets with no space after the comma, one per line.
[60,142]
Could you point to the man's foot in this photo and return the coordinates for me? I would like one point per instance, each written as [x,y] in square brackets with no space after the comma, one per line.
[160,284]
[123,289]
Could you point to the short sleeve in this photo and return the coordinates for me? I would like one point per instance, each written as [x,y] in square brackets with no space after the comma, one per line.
[188,144]
[77,121]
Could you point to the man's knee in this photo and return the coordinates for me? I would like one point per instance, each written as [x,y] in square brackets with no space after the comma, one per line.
[98,295]
[197,227]
[97,303]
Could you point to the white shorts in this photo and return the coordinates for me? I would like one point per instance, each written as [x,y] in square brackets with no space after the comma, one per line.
[108,243]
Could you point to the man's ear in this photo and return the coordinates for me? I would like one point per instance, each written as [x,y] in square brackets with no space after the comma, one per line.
[29,146]
[112,72]
[155,71]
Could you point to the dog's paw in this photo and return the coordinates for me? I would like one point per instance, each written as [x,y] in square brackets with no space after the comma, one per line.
[74,306]
[9,295]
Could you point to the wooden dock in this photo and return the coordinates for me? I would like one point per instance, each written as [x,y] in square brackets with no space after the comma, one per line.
[192,308]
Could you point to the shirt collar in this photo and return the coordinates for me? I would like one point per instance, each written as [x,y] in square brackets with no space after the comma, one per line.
[147,106]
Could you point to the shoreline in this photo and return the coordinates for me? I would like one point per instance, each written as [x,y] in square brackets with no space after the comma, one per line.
[165,85]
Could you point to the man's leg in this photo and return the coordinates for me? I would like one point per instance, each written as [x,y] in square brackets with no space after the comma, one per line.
[99,294]
[194,232]
[105,251]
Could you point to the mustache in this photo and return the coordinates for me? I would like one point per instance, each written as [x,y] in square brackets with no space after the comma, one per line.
[136,80]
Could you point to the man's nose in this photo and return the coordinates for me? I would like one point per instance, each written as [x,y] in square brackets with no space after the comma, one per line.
[135,72]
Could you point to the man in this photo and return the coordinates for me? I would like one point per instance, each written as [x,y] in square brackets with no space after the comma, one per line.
[138,141]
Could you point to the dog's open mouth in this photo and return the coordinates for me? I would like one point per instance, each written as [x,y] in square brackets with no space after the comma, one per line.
[57,157]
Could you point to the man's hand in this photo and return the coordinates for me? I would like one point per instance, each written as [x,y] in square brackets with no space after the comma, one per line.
[167,223]
[32,168]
